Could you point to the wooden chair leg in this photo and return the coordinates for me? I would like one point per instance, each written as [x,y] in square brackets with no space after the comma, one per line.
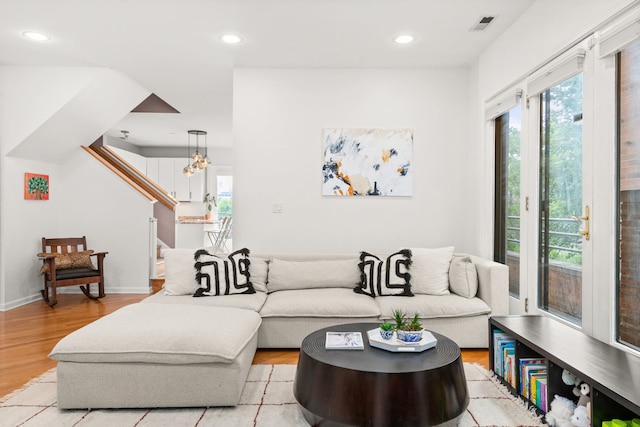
[49,299]
[45,291]
[53,299]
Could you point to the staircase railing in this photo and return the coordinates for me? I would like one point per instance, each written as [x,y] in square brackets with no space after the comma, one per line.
[165,207]
[134,175]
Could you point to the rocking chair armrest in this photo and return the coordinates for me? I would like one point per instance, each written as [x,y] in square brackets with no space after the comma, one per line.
[47,256]
[99,254]
[50,262]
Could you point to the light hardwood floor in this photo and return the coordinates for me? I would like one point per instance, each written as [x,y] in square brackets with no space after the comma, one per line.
[28,333]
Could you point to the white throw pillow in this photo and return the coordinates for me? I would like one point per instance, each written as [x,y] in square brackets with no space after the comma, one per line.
[463,277]
[430,270]
[179,274]
[258,270]
[288,275]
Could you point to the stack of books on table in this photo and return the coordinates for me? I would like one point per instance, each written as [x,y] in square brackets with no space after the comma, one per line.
[344,341]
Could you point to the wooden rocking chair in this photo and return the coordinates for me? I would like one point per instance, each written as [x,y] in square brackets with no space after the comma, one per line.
[67,262]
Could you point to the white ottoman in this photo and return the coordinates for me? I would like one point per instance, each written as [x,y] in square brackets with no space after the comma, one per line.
[157,355]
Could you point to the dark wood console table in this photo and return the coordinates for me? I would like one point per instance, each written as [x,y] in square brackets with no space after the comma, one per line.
[375,387]
[612,373]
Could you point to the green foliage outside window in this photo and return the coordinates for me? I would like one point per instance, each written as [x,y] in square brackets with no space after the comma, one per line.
[513,190]
[225,208]
[565,173]
[565,167]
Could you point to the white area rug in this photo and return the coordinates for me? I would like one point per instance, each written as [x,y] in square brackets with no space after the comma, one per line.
[267,400]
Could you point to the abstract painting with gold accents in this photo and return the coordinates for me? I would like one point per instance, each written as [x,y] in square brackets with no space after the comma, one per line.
[367,162]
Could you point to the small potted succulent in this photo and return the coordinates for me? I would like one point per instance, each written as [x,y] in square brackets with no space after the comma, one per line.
[210,202]
[407,330]
[386,330]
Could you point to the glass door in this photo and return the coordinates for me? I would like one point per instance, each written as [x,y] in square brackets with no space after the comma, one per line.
[563,215]
[544,191]
[628,185]
[507,224]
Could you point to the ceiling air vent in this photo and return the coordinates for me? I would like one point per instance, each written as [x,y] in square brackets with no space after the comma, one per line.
[483,23]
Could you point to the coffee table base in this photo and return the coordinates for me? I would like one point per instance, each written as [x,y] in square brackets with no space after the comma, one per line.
[378,388]
[317,421]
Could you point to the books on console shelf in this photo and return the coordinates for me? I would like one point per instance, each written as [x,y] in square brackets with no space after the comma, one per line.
[539,390]
[510,364]
[528,367]
[504,363]
[344,341]
[533,381]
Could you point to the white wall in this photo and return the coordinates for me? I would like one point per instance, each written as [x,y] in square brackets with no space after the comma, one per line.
[277,123]
[82,201]
[24,224]
[114,217]
[81,197]
[541,33]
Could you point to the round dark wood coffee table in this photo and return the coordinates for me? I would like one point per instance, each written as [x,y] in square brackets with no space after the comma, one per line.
[375,387]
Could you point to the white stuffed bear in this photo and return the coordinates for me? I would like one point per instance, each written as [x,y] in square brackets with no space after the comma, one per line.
[580,417]
[562,409]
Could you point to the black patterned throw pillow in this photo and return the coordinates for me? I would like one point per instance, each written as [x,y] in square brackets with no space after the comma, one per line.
[389,276]
[222,274]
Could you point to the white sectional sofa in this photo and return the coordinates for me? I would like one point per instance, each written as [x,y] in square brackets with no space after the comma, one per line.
[298,293]
[271,300]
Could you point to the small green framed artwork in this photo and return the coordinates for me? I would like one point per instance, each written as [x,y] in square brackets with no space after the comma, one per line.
[36,187]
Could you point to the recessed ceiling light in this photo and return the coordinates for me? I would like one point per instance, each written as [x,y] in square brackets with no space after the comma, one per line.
[231,38]
[404,39]
[36,36]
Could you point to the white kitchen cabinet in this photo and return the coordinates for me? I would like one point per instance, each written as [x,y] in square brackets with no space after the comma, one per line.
[197,185]
[182,187]
[167,172]
[190,236]
[153,169]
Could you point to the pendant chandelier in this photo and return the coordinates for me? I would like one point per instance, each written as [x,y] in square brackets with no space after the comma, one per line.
[196,162]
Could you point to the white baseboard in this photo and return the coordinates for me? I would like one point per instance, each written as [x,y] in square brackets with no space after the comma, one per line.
[20,302]
[108,290]
[75,290]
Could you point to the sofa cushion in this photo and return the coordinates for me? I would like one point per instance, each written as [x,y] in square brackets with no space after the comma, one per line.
[430,270]
[222,274]
[289,275]
[328,302]
[161,333]
[385,276]
[463,277]
[431,306]
[253,302]
[179,274]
